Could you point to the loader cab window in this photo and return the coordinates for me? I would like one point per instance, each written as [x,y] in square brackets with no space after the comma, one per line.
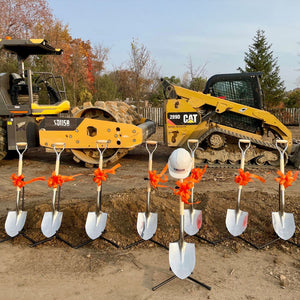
[237,91]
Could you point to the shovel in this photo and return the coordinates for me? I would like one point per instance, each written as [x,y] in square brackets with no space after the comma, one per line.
[15,220]
[52,220]
[147,222]
[236,219]
[182,256]
[192,217]
[96,221]
[283,223]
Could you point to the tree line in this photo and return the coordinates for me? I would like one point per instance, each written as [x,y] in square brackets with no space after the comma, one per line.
[82,65]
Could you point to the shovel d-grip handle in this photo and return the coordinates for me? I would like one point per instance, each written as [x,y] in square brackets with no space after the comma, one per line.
[22,145]
[248,144]
[193,149]
[153,144]
[58,149]
[281,151]
[101,151]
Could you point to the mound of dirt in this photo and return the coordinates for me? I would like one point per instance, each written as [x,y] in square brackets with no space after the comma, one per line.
[122,209]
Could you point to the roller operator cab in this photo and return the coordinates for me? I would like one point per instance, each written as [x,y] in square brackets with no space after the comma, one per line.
[26,96]
[31,104]
[229,108]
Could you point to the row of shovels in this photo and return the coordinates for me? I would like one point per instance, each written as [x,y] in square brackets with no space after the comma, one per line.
[51,222]
[181,254]
[283,222]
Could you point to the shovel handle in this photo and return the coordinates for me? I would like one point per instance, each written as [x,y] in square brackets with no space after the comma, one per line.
[101,151]
[181,212]
[58,148]
[20,167]
[282,151]
[181,204]
[193,150]
[152,143]
[154,146]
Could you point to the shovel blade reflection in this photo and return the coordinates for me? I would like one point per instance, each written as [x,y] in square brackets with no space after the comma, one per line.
[192,221]
[283,224]
[182,259]
[51,223]
[146,226]
[15,222]
[236,222]
[95,224]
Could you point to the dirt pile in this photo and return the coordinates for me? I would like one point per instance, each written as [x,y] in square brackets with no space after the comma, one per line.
[122,209]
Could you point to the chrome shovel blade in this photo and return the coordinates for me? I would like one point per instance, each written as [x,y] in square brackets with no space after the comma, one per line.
[182,259]
[236,222]
[95,224]
[51,223]
[15,222]
[192,221]
[284,225]
[146,226]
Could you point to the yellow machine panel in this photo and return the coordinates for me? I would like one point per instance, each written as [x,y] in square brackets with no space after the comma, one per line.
[79,133]
[38,109]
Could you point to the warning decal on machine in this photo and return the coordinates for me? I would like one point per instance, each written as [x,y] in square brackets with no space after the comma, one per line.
[183,118]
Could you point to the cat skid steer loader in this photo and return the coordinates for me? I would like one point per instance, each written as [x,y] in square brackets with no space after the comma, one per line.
[34,109]
[230,108]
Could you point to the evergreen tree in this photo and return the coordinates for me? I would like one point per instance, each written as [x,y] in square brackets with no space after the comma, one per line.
[259,58]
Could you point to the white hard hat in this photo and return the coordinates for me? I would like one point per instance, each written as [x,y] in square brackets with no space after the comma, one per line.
[180,163]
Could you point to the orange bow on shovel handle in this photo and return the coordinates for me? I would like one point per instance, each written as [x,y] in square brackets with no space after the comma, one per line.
[286,179]
[245,177]
[155,179]
[18,181]
[101,175]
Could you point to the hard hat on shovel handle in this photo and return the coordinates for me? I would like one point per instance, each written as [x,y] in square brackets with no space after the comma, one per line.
[180,163]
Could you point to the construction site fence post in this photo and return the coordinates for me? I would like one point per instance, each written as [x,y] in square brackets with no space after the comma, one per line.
[155,114]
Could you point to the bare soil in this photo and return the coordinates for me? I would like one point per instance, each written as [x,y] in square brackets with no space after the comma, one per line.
[233,268]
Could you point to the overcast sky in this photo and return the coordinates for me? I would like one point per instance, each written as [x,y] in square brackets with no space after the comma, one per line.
[214,33]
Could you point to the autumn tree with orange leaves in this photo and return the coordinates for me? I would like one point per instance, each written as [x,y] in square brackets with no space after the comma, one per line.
[80,62]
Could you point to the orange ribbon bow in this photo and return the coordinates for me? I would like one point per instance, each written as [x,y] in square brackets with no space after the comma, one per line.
[58,180]
[197,173]
[287,179]
[155,179]
[183,190]
[101,175]
[19,182]
[184,187]
[245,177]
